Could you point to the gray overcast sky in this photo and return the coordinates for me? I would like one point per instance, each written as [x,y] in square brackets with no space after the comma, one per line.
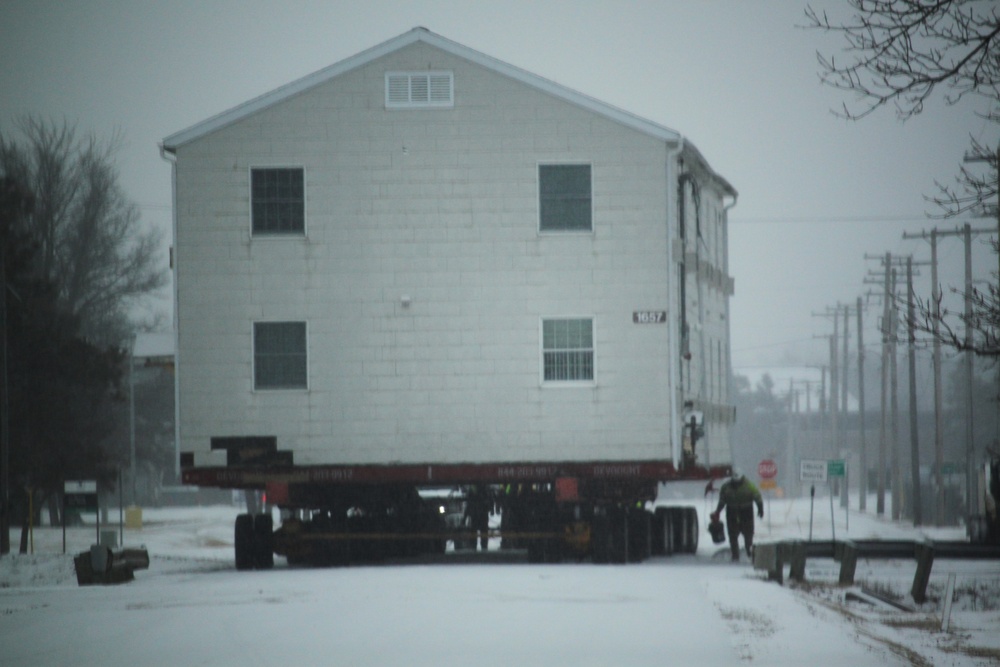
[736,77]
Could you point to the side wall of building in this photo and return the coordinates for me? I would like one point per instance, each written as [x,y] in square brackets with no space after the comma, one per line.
[706,362]
[439,206]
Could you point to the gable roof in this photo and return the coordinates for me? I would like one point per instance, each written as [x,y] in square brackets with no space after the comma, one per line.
[419,34]
[413,36]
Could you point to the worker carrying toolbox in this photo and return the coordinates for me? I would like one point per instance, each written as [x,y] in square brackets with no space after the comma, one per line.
[738,495]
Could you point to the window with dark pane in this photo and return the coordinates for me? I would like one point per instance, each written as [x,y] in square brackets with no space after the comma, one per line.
[564,197]
[568,350]
[277,199]
[279,355]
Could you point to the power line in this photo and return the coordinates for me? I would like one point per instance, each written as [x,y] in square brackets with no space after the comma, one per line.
[756,220]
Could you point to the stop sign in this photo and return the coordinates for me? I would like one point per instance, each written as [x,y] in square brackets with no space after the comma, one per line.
[767,469]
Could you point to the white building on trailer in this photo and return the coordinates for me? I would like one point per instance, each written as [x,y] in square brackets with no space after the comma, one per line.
[423,254]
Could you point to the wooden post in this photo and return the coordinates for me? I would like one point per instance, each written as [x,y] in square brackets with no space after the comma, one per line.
[797,559]
[924,551]
[848,563]
[949,597]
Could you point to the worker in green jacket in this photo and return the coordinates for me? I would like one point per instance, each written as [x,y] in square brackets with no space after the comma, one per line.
[738,495]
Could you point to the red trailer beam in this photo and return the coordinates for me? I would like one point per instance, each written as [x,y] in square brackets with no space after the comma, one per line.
[431,474]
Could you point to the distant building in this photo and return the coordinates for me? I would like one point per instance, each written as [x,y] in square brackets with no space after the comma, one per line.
[421,249]
[154,349]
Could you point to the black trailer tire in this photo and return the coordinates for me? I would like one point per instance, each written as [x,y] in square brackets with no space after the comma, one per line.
[693,530]
[662,532]
[668,532]
[678,525]
[639,529]
[656,533]
[600,538]
[263,528]
[618,524]
[243,542]
[686,530]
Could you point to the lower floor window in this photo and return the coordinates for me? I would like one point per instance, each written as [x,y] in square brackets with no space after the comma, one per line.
[279,355]
[568,350]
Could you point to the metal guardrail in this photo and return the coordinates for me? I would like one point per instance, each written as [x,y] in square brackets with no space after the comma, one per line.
[773,556]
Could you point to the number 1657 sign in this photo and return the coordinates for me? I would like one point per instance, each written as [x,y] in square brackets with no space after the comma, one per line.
[649,316]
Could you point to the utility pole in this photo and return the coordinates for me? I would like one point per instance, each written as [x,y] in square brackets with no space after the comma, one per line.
[834,391]
[824,405]
[938,409]
[889,431]
[836,388]
[971,477]
[996,165]
[883,432]
[793,408]
[970,452]
[914,509]
[845,412]
[912,357]
[897,460]
[900,507]
[863,477]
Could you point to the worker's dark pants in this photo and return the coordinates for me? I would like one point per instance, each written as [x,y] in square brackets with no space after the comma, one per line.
[739,520]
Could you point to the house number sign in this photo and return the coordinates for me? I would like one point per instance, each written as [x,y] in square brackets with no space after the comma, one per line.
[649,316]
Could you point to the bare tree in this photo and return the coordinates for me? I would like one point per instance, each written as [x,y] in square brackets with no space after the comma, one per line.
[901,52]
[983,319]
[91,244]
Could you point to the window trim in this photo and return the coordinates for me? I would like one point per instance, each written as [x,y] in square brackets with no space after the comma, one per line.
[429,104]
[253,356]
[592,382]
[305,203]
[538,198]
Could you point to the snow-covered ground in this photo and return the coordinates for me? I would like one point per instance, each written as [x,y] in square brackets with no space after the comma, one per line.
[192,608]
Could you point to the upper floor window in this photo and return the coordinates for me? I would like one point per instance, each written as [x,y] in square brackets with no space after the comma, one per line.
[564,198]
[277,200]
[279,355]
[419,89]
[568,350]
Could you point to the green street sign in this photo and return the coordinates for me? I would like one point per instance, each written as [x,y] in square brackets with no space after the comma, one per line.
[836,468]
[81,495]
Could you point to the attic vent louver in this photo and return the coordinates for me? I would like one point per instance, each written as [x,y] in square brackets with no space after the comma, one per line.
[419,89]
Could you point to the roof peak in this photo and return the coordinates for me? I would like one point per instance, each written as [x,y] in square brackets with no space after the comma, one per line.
[421,34]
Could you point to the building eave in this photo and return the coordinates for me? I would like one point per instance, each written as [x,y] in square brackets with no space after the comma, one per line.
[691,153]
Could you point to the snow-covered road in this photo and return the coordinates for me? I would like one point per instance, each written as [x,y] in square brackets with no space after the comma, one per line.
[192,608]
[678,611]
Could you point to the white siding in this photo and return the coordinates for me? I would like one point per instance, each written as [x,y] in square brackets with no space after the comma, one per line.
[440,205]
